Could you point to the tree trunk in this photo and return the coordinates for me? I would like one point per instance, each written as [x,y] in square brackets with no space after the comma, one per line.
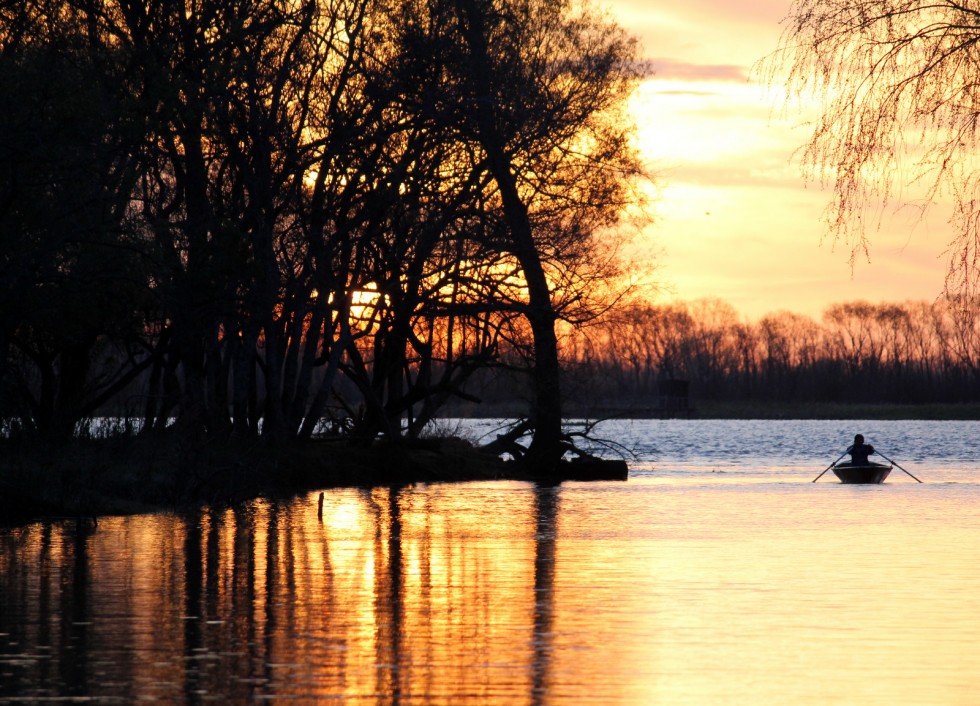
[546,449]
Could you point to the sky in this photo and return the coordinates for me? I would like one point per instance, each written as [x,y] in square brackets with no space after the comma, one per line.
[733,217]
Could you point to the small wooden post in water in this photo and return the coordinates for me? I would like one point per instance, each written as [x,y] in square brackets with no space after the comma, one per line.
[319,509]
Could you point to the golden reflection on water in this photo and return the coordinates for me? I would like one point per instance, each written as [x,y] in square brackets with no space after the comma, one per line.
[507,593]
[394,593]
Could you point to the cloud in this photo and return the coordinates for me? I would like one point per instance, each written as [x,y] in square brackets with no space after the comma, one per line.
[683,92]
[673,70]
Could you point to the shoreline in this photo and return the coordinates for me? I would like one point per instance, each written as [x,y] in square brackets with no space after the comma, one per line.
[88,478]
[833,410]
[966,411]
[132,475]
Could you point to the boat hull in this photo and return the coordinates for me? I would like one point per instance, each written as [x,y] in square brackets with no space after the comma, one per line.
[867,474]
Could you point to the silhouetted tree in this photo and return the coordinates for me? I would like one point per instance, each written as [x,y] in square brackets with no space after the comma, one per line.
[529,92]
[74,281]
[354,204]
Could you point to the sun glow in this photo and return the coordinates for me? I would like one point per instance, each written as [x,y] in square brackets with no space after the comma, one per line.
[734,217]
[671,117]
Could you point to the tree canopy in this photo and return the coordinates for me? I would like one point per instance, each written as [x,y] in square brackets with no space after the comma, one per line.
[275,216]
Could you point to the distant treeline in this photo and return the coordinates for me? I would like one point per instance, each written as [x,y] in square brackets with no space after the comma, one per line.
[908,353]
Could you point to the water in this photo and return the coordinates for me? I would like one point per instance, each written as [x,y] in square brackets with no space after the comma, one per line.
[717,574]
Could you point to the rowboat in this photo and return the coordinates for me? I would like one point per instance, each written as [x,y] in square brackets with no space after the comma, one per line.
[869,472]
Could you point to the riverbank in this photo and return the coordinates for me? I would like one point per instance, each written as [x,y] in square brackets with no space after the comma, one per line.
[835,410]
[707,409]
[121,476]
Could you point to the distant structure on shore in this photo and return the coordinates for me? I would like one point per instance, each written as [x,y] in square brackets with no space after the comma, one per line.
[672,399]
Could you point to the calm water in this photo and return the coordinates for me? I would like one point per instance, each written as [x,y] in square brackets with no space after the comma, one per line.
[717,574]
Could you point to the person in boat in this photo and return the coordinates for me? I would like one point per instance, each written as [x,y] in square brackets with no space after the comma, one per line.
[860,451]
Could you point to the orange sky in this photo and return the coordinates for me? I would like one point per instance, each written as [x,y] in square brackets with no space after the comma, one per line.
[734,218]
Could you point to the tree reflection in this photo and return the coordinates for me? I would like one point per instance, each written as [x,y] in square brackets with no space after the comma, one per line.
[399,594]
[193,593]
[545,538]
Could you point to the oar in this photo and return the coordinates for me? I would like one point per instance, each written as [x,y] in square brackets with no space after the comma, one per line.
[829,467]
[895,464]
